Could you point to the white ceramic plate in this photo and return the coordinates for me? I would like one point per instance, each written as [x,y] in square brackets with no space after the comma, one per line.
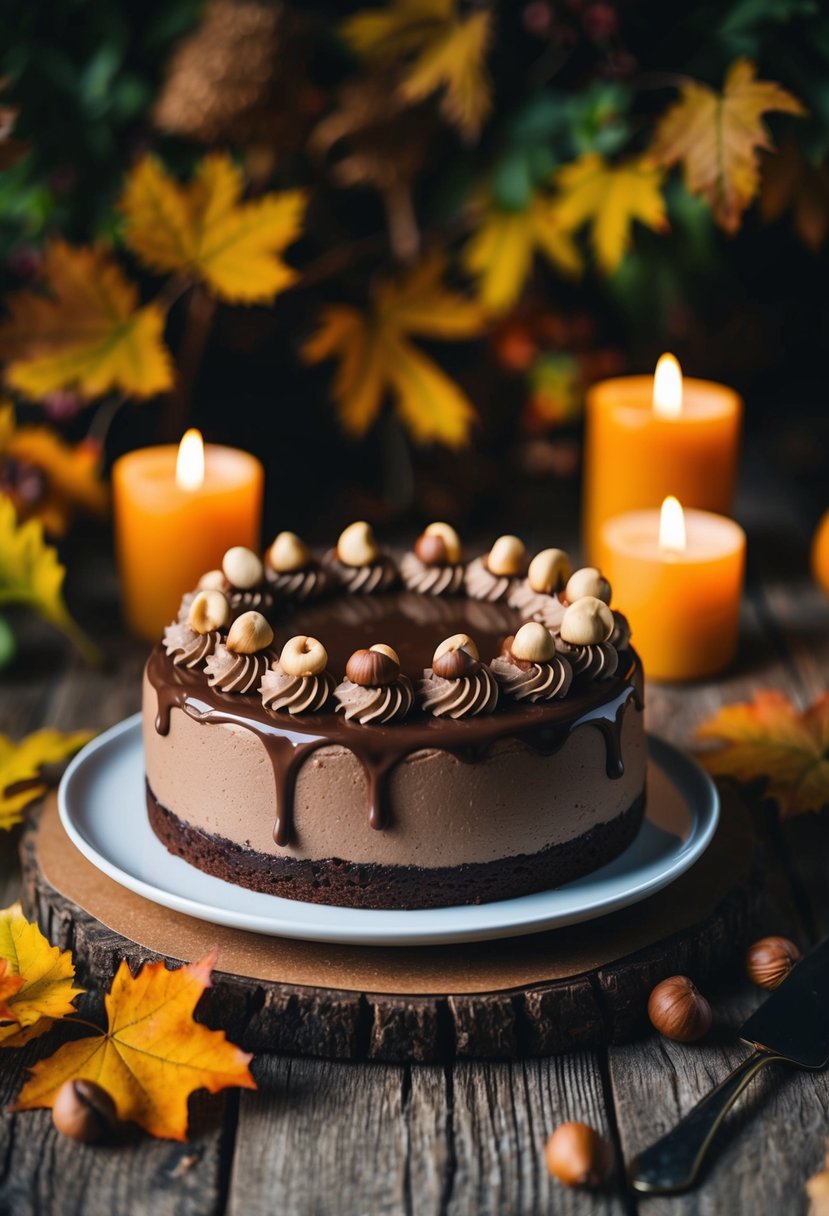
[102,807]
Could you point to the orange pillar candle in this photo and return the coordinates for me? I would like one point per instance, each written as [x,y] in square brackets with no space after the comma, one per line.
[177,511]
[678,578]
[650,436]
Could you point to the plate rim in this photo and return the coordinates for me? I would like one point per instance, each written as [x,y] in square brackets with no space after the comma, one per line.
[681,769]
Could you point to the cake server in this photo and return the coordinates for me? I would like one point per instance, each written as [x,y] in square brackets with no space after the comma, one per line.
[791,1027]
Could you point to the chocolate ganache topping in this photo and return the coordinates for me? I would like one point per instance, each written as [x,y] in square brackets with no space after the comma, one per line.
[188,648]
[595,661]
[620,637]
[430,580]
[233,672]
[306,694]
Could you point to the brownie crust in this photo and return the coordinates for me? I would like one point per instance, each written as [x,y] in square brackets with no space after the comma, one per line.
[370,885]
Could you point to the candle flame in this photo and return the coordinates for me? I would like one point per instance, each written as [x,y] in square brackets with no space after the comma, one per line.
[672,526]
[667,388]
[190,461]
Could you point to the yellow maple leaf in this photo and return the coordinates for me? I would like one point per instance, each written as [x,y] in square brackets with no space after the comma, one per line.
[440,50]
[500,252]
[376,356]
[9,985]
[205,231]
[22,763]
[87,334]
[46,991]
[152,1055]
[769,738]
[610,198]
[32,576]
[717,136]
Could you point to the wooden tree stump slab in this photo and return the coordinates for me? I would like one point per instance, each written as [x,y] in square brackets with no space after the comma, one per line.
[536,995]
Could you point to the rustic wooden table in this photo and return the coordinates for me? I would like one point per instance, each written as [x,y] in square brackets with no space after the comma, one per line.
[365,1139]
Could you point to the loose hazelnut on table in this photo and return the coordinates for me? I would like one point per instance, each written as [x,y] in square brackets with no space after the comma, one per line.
[242,568]
[587,581]
[506,557]
[208,611]
[303,656]
[373,668]
[549,571]
[288,553]
[578,1156]
[770,960]
[357,546]
[587,622]
[249,634]
[679,1011]
[83,1111]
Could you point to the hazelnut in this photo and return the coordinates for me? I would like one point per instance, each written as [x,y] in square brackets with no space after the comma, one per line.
[303,656]
[249,634]
[382,648]
[587,622]
[213,580]
[549,571]
[242,568]
[587,581]
[456,657]
[372,668]
[288,553]
[450,538]
[83,1111]
[208,611]
[533,643]
[357,546]
[678,1011]
[770,960]
[432,550]
[506,556]
[578,1156]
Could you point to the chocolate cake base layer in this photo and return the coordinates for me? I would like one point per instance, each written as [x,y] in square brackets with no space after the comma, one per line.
[368,885]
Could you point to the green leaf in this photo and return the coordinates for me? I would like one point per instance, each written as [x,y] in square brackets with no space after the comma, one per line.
[511,183]
[8,645]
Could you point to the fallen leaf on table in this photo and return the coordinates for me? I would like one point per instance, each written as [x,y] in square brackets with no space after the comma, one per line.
[500,252]
[21,763]
[88,333]
[204,230]
[376,356]
[717,136]
[152,1055]
[32,576]
[9,985]
[609,198]
[768,737]
[44,976]
[441,50]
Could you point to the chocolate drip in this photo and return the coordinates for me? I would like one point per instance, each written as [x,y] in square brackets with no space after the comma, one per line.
[543,727]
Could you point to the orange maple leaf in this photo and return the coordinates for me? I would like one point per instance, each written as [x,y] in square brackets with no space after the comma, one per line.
[9,985]
[769,738]
[152,1055]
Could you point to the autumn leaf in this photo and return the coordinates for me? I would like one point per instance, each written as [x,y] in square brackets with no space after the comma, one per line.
[45,990]
[717,136]
[791,182]
[376,356]
[72,472]
[22,762]
[768,737]
[203,230]
[609,198]
[88,333]
[152,1055]
[32,576]
[9,985]
[500,252]
[440,49]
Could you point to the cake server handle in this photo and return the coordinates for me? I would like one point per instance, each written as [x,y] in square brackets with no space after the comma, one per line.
[672,1163]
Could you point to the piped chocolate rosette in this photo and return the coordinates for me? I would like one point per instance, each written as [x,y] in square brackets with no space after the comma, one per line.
[375,691]
[246,588]
[239,663]
[191,641]
[529,668]
[298,682]
[584,638]
[458,684]
[291,570]
[434,566]
[493,576]
[536,597]
[358,564]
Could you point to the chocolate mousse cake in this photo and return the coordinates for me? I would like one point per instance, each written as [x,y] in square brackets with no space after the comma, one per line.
[367,732]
